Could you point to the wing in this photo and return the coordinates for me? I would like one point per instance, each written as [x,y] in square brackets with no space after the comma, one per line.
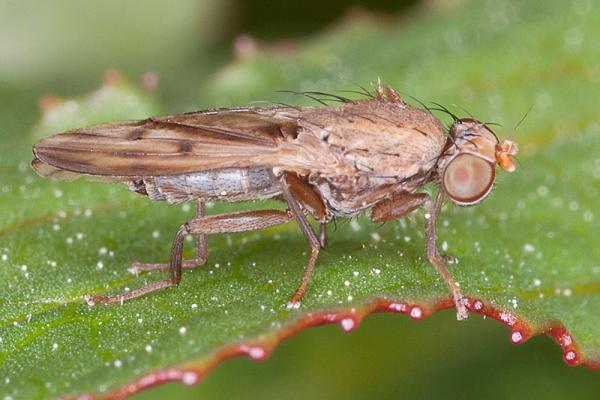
[169,145]
[369,137]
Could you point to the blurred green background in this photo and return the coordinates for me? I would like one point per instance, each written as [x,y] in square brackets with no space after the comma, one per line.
[198,49]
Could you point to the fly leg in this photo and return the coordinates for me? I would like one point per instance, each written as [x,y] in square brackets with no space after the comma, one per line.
[288,187]
[310,201]
[201,251]
[398,206]
[405,203]
[438,260]
[323,234]
[224,223]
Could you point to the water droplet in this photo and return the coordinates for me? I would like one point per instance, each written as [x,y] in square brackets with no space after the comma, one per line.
[537,282]
[190,378]
[397,307]
[416,313]
[347,324]
[516,337]
[514,302]
[542,191]
[570,355]
[155,234]
[478,305]
[544,100]
[256,353]
[118,363]
[148,348]
[182,330]
[566,340]
[54,346]
[509,319]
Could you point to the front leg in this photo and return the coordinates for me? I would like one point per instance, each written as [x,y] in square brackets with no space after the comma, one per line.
[438,260]
[398,206]
[403,204]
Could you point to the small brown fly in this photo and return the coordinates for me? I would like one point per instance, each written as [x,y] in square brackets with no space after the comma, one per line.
[331,161]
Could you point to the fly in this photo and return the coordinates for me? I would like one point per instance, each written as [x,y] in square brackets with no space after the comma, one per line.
[333,161]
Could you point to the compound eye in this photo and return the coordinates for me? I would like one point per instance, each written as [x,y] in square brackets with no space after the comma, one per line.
[468,179]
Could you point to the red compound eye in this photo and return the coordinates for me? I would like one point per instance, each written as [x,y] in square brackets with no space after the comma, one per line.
[468,179]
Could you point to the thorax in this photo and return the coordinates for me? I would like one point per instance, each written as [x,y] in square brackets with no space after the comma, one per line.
[347,196]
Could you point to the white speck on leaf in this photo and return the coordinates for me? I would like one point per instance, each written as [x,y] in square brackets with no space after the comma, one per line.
[528,247]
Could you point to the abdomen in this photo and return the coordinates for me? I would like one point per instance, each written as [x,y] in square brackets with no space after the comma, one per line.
[229,184]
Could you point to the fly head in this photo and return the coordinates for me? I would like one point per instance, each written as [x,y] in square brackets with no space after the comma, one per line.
[467,167]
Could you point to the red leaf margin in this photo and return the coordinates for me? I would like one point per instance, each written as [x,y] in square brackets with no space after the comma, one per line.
[192,372]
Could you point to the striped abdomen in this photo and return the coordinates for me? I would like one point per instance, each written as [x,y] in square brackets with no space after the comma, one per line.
[229,184]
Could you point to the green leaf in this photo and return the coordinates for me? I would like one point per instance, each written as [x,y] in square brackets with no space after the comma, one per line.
[528,253]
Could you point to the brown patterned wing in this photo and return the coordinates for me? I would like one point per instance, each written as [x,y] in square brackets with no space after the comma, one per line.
[168,145]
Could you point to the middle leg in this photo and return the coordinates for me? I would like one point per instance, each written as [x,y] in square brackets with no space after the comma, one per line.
[290,194]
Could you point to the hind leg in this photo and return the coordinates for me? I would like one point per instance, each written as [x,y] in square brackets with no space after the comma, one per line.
[201,251]
[224,223]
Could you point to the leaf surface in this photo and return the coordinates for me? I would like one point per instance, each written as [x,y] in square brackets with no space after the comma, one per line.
[527,256]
